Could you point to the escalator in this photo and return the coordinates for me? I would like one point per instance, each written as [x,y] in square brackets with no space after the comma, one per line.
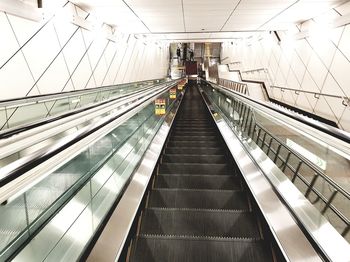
[198,207]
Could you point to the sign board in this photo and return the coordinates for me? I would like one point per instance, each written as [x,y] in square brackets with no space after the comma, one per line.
[191,68]
[173,93]
[181,85]
[159,106]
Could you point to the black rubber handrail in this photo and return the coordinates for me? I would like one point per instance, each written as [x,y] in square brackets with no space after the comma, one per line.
[335,132]
[8,133]
[40,157]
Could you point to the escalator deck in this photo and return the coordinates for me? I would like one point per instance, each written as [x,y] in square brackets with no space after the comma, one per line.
[197,208]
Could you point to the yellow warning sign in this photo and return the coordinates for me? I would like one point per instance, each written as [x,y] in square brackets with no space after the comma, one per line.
[181,85]
[159,106]
[173,93]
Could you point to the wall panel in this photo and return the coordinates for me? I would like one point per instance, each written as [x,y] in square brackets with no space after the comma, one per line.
[318,62]
[55,55]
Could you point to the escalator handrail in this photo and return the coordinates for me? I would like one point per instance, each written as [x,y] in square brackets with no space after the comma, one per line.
[16,130]
[48,97]
[315,169]
[284,189]
[131,198]
[335,132]
[36,135]
[36,159]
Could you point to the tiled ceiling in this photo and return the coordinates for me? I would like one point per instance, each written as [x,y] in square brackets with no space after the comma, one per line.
[201,19]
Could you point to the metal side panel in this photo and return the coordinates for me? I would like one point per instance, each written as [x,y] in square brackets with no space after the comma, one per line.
[111,242]
[14,188]
[292,241]
[263,176]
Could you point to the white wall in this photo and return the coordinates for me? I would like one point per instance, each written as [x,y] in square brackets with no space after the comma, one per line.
[55,55]
[319,62]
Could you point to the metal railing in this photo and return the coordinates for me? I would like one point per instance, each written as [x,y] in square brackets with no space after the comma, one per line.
[322,191]
[255,70]
[233,85]
[317,95]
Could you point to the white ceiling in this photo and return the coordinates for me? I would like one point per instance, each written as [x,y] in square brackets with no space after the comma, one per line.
[204,19]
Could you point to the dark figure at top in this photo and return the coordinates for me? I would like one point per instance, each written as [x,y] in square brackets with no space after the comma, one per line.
[191,55]
[178,53]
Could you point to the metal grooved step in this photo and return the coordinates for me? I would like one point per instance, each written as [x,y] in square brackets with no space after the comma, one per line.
[198,250]
[197,209]
[194,198]
[199,223]
[198,182]
[194,168]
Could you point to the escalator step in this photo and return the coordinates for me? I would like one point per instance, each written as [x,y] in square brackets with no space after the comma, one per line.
[194,198]
[194,144]
[193,129]
[198,182]
[205,223]
[193,125]
[193,134]
[177,158]
[152,248]
[193,119]
[195,150]
[193,138]
[193,122]
[193,168]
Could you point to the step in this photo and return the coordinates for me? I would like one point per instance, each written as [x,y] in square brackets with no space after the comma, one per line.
[198,182]
[193,138]
[194,129]
[195,121]
[182,158]
[193,125]
[181,249]
[202,119]
[193,134]
[206,223]
[202,116]
[196,198]
[195,168]
[195,150]
[194,144]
